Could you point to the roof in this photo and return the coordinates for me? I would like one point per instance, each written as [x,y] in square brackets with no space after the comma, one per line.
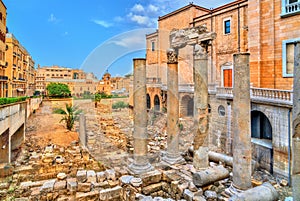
[190,5]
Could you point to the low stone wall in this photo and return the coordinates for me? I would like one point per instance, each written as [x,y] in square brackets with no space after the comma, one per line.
[33,104]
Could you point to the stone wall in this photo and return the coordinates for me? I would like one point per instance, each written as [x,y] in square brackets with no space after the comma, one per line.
[273,154]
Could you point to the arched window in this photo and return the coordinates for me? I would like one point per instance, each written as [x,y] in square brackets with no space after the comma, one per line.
[156,103]
[148,102]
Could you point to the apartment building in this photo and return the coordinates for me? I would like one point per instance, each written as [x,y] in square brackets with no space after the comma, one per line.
[78,81]
[20,68]
[3,65]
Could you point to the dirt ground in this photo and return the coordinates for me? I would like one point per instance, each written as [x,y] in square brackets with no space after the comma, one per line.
[44,128]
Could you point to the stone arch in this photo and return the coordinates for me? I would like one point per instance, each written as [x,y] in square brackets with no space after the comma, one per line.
[156,103]
[187,105]
[261,134]
[260,125]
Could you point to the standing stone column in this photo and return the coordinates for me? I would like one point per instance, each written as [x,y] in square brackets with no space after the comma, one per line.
[82,129]
[140,163]
[172,156]
[296,125]
[241,123]
[200,106]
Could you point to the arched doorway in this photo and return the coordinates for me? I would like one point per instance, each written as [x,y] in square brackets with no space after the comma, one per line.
[148,102]
[156,103]
[187,105]
[261,134]
[260,126]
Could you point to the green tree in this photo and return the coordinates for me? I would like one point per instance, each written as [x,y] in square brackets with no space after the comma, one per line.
[71,114]
[58,90]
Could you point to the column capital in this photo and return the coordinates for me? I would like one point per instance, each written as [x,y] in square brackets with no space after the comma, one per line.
[172,55]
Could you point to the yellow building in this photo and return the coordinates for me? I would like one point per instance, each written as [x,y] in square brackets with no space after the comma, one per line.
[3,77]
[78,81]
[20,68]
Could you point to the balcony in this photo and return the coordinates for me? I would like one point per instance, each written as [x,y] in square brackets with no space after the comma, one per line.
[270,96]
[22,79]
[290,9]
[3,78]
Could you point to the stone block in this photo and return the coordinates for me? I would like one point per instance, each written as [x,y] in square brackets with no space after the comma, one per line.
[151,177]
[188,195]
[22,199]
[81,176]
[125,179]
[72,184]
[111,193]
[48,186]
[113,183]
[90,196]
[84,187]
[91,176]
[101,176]
[100,185]
[170,176]
[60,185]
[61,176]
[110,174]
[152,188]
[211,195]
[4,186]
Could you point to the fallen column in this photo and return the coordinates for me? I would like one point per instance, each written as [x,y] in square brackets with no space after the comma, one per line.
[210,175]
[228,160]
[265,192]
[172,155]
[140,164]
[296,125]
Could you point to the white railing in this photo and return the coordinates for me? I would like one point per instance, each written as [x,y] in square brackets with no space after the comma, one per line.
[260,94]
[292,8]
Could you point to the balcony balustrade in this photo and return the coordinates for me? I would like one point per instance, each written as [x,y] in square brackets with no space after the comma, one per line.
[260,95]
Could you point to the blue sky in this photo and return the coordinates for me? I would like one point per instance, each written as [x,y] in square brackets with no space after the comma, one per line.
[92,35]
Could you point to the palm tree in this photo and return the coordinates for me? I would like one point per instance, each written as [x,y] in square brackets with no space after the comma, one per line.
[71,114]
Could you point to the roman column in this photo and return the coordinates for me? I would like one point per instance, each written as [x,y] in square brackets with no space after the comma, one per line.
[200,106]
[296,125]
[172,155]
[241,123]
[140,137]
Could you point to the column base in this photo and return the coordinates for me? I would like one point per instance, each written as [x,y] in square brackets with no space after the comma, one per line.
[173,159]
[233,190]
[138,169]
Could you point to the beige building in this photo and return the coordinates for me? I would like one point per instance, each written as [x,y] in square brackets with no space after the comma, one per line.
[78,81]
[3,65]
[20,68]
[114,85]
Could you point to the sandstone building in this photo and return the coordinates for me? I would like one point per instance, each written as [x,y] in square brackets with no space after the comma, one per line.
[267,30]
[3,66]
[20,69]
[78,81]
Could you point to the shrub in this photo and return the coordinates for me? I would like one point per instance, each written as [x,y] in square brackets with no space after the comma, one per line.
[120,104]
[4,101]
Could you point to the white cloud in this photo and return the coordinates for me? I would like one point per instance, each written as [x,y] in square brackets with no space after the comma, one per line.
[52,18]
[137,8]
[102,23]
[130,41]
[152,8]
[118,19]
[142,20]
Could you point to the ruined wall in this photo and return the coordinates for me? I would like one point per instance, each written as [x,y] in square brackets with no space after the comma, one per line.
[33,104]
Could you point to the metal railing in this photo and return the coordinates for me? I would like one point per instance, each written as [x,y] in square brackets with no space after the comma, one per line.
[292,8]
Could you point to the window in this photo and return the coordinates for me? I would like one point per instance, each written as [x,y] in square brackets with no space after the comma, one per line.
[288,47]
[227,26]
[153,46]
[289,7]
[221,110]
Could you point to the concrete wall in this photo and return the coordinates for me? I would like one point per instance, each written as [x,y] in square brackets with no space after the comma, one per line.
[12,126]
